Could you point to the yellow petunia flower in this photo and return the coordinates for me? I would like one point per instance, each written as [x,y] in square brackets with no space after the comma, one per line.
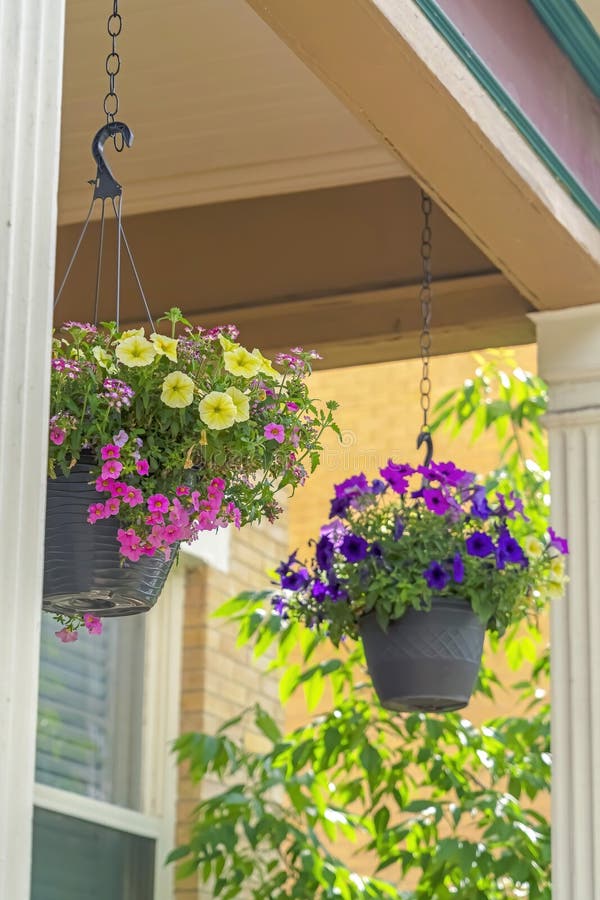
[133,332]
[241,403]
[266,366]
[165,346]
[557,568]
[533,546]
[556,589]
[103,358]
[135,351]
[217,410]
[177,390]
[240,362]
[226,344]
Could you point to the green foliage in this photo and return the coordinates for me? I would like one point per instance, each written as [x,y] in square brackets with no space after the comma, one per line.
[440,804]
[503,398]
[433,796]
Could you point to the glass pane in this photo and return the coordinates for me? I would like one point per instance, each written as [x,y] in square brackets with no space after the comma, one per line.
[73,859]
[90,711]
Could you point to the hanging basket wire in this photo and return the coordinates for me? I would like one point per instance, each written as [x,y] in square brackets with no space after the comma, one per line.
[107,188]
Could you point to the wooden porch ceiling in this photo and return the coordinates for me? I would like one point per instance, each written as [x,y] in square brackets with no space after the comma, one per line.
[252,195]
[335,269]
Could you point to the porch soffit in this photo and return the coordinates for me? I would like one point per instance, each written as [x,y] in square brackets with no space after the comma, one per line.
[336,269]
[388,64]
[220,108]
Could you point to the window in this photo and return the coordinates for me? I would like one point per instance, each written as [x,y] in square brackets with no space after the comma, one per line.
[105,791]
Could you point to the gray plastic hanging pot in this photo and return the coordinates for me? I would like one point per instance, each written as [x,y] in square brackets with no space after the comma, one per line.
[83,569]
[426,661]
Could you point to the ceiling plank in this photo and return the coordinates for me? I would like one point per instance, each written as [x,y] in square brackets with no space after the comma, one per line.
[378,325]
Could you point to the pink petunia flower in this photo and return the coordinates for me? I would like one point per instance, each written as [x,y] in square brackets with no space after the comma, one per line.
[131,547]
[182,491]
[111,507]
[110,451]
[112,468]
[275,432]
[142,466]
[57,435]
[118,489]
[158,503]
[92,623]
[172,533]
[96,511]
[105,484]
[133,496]
[66,636]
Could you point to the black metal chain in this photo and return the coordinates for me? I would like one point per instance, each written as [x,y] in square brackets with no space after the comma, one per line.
[425,299]
[113,67]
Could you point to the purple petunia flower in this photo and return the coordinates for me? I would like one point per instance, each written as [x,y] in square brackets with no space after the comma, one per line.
[397,475]
[351,487]
[561,544]
[279,605]
[435,501]
[295,581]
[398,528]
[284,567]
[336,531]
[480,544]
[480,508]
[347,492]
[354,547]
[458,568]
[319,591]
[339,506]
[378,486]
[447,473]
[324,553]
[436,576]
[509,551]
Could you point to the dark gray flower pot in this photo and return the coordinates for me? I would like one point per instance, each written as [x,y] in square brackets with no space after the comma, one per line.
[83,569]
[426,661]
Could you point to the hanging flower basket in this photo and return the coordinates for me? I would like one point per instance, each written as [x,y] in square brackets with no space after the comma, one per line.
[427,660]
[419,569]
[84,572]
[156,439]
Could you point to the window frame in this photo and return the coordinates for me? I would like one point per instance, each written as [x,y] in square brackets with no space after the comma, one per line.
[163,647]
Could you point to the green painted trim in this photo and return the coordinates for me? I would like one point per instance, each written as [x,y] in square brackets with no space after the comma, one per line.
[575,35]
[504,101]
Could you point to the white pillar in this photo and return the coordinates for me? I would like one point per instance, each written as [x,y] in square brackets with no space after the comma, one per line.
[31,44]
[569,360]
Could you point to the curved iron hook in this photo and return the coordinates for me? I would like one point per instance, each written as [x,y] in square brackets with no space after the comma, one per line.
[106,184]
[425,438]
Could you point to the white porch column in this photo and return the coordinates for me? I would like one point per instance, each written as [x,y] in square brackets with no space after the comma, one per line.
[31,42]
[569,360]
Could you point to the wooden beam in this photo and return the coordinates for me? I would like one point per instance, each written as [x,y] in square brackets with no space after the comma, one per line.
[382,324]
[388,64]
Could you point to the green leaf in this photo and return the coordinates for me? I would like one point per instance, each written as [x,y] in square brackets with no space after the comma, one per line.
[267,725]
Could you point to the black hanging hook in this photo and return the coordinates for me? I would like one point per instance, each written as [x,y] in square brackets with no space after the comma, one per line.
[425,438]
[105,184]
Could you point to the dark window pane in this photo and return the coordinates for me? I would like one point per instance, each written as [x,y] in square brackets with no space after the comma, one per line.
[77,860]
